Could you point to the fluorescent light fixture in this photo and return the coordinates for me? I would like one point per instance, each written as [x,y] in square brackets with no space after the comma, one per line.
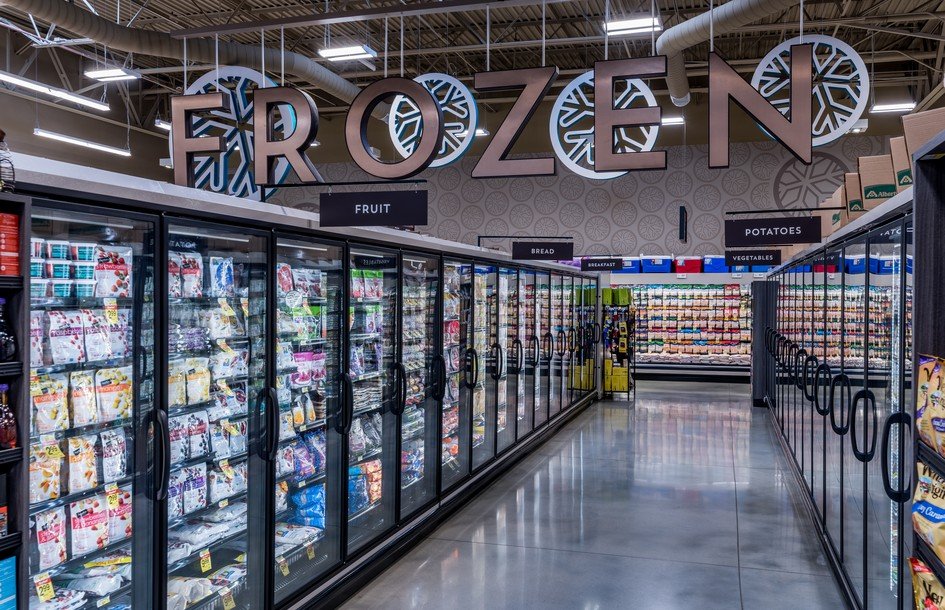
[166,162]
[123,152]
[314,144]
[361,51]
[638,25]
[162,124]
[860,126]
[673,120]
[481,132]
[107,75]
[893,107]
[61,94]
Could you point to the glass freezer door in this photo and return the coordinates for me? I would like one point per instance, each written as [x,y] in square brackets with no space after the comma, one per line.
[372,382]
[546,343]
[418,419]
[457,325]
[532,351]
[309,283]
[516,359]
[482,366]
[558,350]
[92,363]
[506,379]
[217,281]
[567,339]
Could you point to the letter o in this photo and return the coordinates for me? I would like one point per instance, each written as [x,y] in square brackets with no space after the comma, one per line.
[360,113]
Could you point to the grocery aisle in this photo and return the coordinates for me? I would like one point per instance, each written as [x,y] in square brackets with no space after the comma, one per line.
[680,501]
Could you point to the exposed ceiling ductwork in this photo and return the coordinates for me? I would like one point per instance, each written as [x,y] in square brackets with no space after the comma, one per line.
[724,19]
[69,17]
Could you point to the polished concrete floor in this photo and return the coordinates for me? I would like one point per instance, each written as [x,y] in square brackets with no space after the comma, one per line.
[680,499]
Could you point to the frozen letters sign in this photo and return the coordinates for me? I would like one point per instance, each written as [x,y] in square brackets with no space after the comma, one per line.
[542,250]
[772,231]
[377,209]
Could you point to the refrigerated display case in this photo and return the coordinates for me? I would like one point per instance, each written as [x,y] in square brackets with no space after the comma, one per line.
[341,376]
[839,356]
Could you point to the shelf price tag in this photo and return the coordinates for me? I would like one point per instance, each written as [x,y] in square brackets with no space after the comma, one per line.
[226,307]
[44,587]
[310,551]
[228,471]
[111,496]
[283,565]
[52,447]
[103,602]
[111,310]
[224,503]
[205,565]
[228,601]
[221,343]
[224,387]
[229,427]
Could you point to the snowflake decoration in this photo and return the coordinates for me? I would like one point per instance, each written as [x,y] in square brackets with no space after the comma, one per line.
[840,79]
[231,172]
[460,118]
[798,185]
[572,124]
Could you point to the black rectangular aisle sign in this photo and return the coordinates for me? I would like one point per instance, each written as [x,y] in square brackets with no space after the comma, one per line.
[374,209]
[772,231]
[601,264]
[738,258]
[542,250]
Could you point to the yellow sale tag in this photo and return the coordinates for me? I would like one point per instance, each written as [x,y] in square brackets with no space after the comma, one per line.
[111,310]
[226,307]
[241,558]
[205,565]
[229,427]
[221,343]
[224,387]
[44,587]
[54,451]
[283,565]
[111,498]
[310,551]
[228,602]
[228,471]
[103,602]
[224,503]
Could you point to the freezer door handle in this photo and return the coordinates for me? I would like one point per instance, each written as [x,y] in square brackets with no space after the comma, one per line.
[346,408]
[272,423]
[810,365]
[800,355]
[162,457]
[904,420]
[868,400]
[822,377]
[440,378]
[572,340]
[402,378]
[547,340]
[471,368]
[846,391]
[597,333]
[560,341]
[519,357]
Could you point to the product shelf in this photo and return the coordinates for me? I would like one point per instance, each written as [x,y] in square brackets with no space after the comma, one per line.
[11,369]
[215,545]
[76,496]
[172,523]
[81,430]
[80,366]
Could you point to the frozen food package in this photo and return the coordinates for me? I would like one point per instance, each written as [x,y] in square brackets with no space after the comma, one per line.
[284,357]
[83,470]
[177,550]
[195,488]
[357,441]
[114,455]
[930,379]
[175,494]
[198,380]
[220,323]
[48,393]
[176,383]
[285,323]
[928,508]
[282,495]
[178,435]
[37,332]
[219,439]
[300,281]
[316,284]
[88,520]
[118,503]
[113,273]
[237,434]
[45,471]
[50,527]
[229,362]
[302,377]
[97,343]
[99,586]
[303,463]
[191,271]
[66,337]
[114,393]
[228,576]
[119,332]
[221,276]
[198,433]
[191,589]
[286,427]
[231,512]
[357,284]
[284,282]
[928,592]
[290,533]
[175,285]
[285,460]
[82,398]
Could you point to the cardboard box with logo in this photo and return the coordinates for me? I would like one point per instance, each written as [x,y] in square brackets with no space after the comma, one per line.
[920,127]
[877,180]
[852,194]
[901,165]
[831,219]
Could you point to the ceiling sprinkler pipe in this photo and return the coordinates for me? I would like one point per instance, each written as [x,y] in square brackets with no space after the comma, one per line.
[724,19]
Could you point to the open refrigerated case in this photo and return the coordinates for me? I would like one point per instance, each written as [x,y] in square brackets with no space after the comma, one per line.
[838,357]
[228,407]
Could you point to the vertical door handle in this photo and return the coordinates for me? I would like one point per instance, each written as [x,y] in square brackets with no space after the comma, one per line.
[810,365]
[536,350]
[401,404]
[496,353]
[904,420]
[597,333]
[867,398]
[475,363]
[822,378]
[272,419]
[548,339]
[519,356]
[440,378]
[162,459]
[572,340]
[800,357]
[560,341]
[500,361]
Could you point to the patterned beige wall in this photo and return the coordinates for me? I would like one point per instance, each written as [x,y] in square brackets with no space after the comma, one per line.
[637,213]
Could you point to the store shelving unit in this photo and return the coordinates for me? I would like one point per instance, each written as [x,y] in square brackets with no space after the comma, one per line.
[618,325]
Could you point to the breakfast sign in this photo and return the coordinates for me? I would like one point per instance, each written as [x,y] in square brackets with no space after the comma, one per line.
[613,115]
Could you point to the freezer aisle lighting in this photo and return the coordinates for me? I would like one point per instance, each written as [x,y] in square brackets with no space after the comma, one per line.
[162,125]
[61,94]
[673,120]
[894,107]
[123,152]
[361,51]
[480,132]
[640,25]
[107,75]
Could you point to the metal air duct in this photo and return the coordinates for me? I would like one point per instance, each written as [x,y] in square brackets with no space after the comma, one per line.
[727,18]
